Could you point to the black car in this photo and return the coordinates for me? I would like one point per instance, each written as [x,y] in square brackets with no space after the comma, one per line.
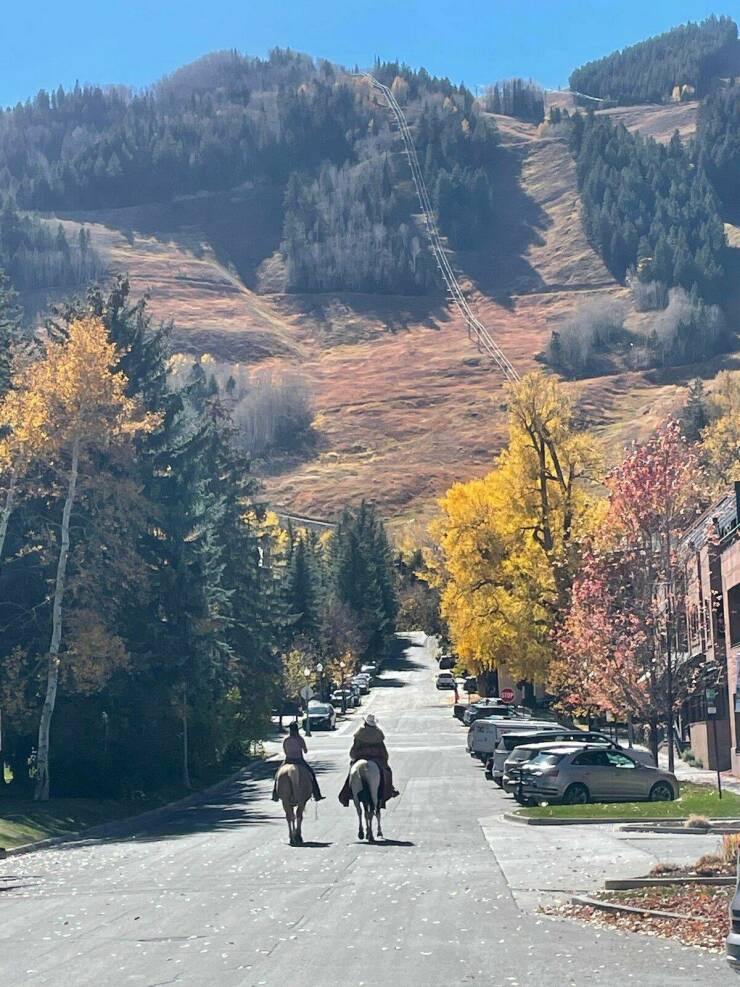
[446,662]
[486,708]
[322,716]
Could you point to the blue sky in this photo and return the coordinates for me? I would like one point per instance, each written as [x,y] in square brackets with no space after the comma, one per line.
[476,41]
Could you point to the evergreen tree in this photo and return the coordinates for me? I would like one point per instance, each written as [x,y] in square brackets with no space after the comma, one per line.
[9,330]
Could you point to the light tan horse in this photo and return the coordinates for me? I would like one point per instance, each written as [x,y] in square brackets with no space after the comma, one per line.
[294,789]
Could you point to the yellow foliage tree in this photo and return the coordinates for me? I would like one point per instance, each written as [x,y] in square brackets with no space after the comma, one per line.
[508,543]
[720,440]
[68,404]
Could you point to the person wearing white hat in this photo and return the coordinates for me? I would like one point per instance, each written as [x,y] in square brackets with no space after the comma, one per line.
[369,743]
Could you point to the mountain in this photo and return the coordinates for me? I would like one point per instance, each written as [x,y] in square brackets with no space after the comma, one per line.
[267,207]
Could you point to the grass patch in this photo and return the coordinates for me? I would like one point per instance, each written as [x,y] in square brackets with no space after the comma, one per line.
[25,821]
[695,799]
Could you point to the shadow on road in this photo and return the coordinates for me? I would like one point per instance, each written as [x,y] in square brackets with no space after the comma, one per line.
[313,845]
[388,683]
[240,803]
[384,842]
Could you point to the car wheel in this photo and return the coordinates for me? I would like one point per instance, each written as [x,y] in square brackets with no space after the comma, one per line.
[576,795]
[661,791]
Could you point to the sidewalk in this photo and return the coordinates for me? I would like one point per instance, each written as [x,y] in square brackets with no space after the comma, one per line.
[700,776]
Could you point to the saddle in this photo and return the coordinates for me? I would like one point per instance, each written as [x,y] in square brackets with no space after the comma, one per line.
[385,791]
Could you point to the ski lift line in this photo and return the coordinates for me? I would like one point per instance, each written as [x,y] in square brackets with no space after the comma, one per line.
[475,327]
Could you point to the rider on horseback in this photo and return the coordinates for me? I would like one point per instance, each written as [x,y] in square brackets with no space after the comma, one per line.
[294,747]
[369,744]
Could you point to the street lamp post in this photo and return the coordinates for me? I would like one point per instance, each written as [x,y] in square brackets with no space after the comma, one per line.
[342,666]
[307,673]
[320,670]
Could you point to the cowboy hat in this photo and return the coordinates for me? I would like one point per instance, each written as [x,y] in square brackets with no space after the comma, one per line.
[369,720]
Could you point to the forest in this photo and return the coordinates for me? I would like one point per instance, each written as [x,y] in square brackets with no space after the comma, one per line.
[648,207]
[718,141]
[149,601]
[225,120]
[689,55]
[521,98]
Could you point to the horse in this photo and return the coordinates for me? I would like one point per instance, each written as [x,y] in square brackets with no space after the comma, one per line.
[364,783]
[294,789]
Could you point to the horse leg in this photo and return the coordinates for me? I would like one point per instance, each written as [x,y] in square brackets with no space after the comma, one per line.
[380,828]
[369,822]
[299,825]
[291,823]
[360,831]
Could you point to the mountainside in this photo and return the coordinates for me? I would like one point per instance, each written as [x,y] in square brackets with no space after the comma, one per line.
[267,208]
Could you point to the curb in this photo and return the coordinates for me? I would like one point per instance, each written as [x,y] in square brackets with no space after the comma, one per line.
[618,884]
[574,821]
[717,828]
[608,906]
[121,825]
[622,821]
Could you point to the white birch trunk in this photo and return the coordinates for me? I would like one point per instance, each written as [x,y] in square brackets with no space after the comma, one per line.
[52,679]
[7,508]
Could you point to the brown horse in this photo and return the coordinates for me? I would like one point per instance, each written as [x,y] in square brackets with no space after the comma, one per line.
[294,789]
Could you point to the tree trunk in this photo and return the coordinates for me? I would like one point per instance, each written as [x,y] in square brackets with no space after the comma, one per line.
[185,751]
[7,509]
[654,736]
[52,678]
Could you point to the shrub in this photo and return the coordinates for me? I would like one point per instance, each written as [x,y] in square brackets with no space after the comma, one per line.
[649,296]
[708,865]
[730,847]
[574,345]
[687,330]
[663,869]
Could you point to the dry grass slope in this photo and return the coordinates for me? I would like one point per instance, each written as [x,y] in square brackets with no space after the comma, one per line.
[405,404]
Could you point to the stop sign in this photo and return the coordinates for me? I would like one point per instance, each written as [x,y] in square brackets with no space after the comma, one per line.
[507,695]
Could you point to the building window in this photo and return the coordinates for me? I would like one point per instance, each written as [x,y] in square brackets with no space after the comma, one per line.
[733,606]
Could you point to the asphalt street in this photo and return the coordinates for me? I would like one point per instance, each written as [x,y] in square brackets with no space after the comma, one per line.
[213,895]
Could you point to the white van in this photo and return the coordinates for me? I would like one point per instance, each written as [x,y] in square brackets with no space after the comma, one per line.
[484,735]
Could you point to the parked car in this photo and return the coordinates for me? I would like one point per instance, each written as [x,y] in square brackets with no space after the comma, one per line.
[446,662]
[490,707]
[506,749]
[581,775]
[362,684]
[484,735]
[470,684]
[345,698]
[445,680]
[355,690]
[370,669]
[322,716]
[531,748]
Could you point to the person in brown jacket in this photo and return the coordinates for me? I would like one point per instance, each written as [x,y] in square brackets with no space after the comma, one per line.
[369,743]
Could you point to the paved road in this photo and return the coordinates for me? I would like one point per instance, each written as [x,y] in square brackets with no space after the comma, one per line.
[214,896]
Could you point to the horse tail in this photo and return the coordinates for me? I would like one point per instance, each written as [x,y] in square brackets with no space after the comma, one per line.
[366,796]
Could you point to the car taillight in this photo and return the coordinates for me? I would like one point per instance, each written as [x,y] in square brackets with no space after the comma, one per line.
[547,772]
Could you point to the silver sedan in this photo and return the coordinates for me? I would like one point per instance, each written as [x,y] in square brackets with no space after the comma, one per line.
[585,774]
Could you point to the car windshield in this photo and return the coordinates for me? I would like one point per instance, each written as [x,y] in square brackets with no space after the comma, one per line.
[318,709]
[544,760]
[511,740]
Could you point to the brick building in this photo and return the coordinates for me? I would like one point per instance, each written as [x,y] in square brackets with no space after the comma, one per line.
[709,555]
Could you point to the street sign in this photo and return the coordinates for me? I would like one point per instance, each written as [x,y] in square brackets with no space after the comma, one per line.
[507,695]
[307,692]
[711,695]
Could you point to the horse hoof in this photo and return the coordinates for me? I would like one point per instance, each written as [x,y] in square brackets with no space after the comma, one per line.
[370,838]
[299,841]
